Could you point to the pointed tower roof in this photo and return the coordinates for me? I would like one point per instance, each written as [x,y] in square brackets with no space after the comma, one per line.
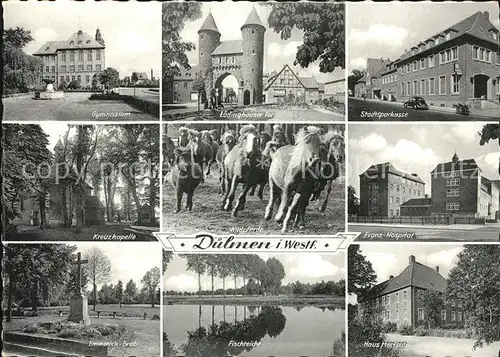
[209,24]
[455,158]
[59,145]
[253,19]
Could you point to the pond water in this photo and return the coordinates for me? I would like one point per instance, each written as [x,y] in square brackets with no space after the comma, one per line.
[205,330]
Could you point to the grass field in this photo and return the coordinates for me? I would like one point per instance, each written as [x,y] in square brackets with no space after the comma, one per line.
[282,300]
[208,216]
[133,310]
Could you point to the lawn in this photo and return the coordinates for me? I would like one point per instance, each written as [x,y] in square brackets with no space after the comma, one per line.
[208,216]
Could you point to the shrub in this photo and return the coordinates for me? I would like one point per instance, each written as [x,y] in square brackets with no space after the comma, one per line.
[31,329]
[389,327]
[421,331]
[406,330]
[68,332]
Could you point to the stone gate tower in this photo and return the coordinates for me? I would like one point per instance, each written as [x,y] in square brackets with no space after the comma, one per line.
[243,58]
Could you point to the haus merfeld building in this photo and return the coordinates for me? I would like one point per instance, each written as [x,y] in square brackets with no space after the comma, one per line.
[460,64]
[400,298]
[458,189]
[78,58]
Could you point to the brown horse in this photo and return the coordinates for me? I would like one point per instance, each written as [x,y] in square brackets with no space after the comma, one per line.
[228,142]
[202,151]
[334,149]
[214,133]
[183,136]
[207,138]
[185,177]
[292,175]
[240,166]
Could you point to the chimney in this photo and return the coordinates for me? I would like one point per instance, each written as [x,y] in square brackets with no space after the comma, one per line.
[487,15]
[415,175]
[391,276]
[437,268]
[411,259]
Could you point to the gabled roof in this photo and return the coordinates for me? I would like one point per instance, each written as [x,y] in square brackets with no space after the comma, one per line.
[253,19]
[270,83]
[188,74]
[418,202]
[209,24]
[387,167]
[477,25]
[229,47]
[78,40]
[415,274]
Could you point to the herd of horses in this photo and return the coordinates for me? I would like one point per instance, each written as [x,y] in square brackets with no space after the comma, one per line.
[296,173]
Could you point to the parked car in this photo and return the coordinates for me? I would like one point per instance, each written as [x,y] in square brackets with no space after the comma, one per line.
[416,103]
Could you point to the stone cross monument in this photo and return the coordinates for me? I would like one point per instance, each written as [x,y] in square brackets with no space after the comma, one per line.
[78,306]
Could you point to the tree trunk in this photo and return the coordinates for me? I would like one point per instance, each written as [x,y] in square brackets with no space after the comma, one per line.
[106,199]
[244,287]
[199,285]
[152,193]
[153,299]
[78,186]
[41,206]
[235,285]
[65,207]
[94,293]
[9,299]
[34,296]
[224,286]
[212,283]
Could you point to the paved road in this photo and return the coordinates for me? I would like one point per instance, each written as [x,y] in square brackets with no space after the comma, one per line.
[359,107]
[422,346]
[147,93]
[484,233]
[74,106]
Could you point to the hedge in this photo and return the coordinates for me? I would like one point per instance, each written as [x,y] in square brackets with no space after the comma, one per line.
[143,105]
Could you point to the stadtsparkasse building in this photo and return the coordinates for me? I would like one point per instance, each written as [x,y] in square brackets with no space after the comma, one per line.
[460,64]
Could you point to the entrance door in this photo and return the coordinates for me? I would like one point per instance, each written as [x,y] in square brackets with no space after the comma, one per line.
[246,97]
[481,86]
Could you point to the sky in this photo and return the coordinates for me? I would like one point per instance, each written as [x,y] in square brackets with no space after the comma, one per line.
[418,148]
[129,260]
[386,30]
[392,259]
[307,268]
[277,52]
[131,30]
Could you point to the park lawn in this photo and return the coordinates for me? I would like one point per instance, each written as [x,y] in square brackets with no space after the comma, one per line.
[133,310]
[282,300]
[207,214]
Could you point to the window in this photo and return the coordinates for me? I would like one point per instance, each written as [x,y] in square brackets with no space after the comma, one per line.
[459,315]
[453,316]
[402,89]
[47,69]
[89,67]
[391,213]
[375,200]
[442,58]
[87,78]
[67,78]
[422,87]
[63,56]
[397,297]
[408,68]
[63,68]
[432,86]
[422,63]
[89,55]
[453,304]
[402,69]
[253,52]
[421,314]
[397,314]
[406,314]
[452,206]
[383,300]
[53,68]
[98,67]
[80,68]
[397,188]
[62,79]
[80,55]
[443,315]
[397,200]
[431,61]
[388,300]
[79,78]
[392,199]
[72,78]
[415,89]
[98,55]
[442,85]
[72,55]
[453,182]
[408,88]
[414,66]
[455,80]
[453,192]
[253,31]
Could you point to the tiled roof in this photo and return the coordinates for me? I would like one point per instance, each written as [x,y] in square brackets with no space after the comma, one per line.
[209,24]
[456,166]
[79,40]
[309,82]
[477,25]
[415,274]
[188,74]
[387,167]
[417,202]
[253,19]
[229,47]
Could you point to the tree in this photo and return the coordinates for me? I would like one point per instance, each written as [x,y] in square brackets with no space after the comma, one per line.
[277,273]
[95,82]
[167,257]
[354,78]
[151,281]
[98,269]
[475,281]
[74,84]
[119,292]
[432,303]
[196,263]
[323,28]
[490,132]
[360,271]
[25,153]
[109,78]
[174,18]
[150,154]
[352,201]
[18,37]
[131,290]
[211,263]
[199,87]
[63,85]
[27,267]
[223,269]
[134,77]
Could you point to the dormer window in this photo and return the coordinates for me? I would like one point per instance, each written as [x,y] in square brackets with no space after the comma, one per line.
[437,41]
[253,31]
[88,41]
[79,42]
[72,42]
[448,36]
[48,48]
[494,35]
